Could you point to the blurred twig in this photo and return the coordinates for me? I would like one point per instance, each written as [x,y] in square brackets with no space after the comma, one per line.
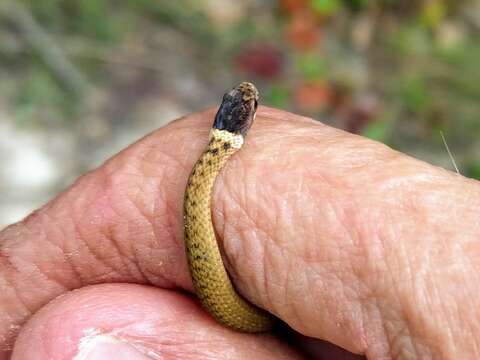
[124,57]
[471,14]
[43,44]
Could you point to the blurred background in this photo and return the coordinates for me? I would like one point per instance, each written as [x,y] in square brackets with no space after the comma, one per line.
[80,80]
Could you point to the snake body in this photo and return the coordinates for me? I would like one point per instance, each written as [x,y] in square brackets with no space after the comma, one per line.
[210,279]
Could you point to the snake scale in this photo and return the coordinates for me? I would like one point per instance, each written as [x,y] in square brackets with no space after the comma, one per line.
[210,278]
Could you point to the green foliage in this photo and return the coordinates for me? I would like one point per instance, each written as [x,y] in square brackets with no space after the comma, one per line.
[377,130]
[325,7]
[356,4]
[473,170]
[312,67]
[92,18]
[414,93]
[278,96]
[38,93]
[411,39]
[97,19]
[186,16]
[49,12]
[432,13]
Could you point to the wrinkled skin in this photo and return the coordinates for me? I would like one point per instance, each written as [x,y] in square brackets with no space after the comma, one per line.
[343,238]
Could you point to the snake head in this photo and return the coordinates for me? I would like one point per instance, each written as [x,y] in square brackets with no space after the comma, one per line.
[237,111]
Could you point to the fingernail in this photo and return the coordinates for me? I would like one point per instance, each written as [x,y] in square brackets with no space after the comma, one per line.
[102,347]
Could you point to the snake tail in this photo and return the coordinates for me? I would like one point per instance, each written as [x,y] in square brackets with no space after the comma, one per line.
[210,278]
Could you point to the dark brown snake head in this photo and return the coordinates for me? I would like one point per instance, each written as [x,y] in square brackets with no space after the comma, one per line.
[237,111]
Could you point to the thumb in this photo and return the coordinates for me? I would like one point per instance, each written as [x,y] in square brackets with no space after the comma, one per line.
[126,321]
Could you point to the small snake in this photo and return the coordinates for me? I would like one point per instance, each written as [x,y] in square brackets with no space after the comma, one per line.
[210,279]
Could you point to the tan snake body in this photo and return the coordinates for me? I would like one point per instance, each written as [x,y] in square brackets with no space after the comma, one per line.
[210,279]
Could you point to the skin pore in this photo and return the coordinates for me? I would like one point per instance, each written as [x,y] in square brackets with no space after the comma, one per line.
[341,237]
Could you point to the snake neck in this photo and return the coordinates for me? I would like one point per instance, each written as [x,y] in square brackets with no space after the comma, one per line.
[222,144]
[197,205]
[224,137]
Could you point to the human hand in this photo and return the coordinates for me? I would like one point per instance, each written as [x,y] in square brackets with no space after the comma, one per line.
[343,238]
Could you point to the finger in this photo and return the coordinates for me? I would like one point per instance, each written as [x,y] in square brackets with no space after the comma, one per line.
[349,241]
[318,227]
[126,321]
